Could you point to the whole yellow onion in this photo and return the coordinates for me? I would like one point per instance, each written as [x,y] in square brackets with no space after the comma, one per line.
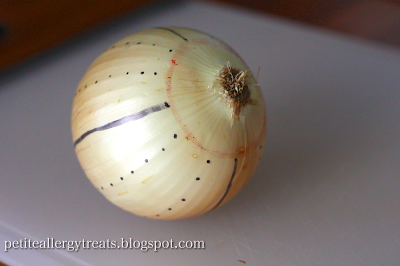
[169,123]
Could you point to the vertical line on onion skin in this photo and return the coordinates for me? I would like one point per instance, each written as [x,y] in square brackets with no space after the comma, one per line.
[174,32]
[129,118]
[229,185]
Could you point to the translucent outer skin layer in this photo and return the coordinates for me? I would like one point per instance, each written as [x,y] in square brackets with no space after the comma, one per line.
[152,132]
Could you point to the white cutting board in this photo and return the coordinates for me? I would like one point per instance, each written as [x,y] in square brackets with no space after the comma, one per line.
[327,191]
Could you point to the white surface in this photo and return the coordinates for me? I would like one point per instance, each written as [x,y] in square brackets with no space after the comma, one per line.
[327,190]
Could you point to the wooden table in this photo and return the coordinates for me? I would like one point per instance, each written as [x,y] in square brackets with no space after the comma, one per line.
[30,27]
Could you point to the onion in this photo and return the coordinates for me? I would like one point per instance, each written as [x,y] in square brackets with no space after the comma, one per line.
[169,123]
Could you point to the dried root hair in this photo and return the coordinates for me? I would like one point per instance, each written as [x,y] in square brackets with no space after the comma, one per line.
[235,89]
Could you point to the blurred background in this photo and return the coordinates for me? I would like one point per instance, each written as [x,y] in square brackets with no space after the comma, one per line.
[31,27]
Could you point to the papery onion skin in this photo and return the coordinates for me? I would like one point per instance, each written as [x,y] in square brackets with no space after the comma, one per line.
[154,131]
